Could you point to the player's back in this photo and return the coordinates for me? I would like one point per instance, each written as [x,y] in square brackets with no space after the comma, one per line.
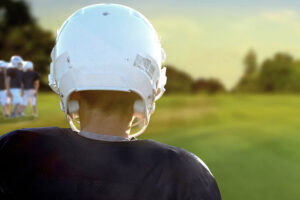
[55,163]
[16,77]
[29,77]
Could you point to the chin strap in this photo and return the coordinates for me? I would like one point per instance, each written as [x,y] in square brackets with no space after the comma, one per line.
[141,131]
[73,109]
[140,114]
[72,125]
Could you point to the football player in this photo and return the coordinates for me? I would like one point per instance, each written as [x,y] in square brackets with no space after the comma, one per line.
[106,68]
[3,88]
[31,87]
[15,85]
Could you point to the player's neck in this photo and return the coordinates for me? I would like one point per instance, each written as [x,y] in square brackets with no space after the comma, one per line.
[102,123]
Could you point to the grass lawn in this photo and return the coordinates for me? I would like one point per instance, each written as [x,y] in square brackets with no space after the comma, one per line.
[251,143]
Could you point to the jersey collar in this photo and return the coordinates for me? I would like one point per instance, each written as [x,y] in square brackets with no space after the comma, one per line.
[102,137]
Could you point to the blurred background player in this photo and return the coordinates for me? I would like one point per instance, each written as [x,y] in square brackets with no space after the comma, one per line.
[3,88]
[31,86]
[15,85]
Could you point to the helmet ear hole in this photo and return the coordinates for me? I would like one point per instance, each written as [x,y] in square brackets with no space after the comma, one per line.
[73,106]
[139,108]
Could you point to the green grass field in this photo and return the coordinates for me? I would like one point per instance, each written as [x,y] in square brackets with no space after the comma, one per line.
[251,143]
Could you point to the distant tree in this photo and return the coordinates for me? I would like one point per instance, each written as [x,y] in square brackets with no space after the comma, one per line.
[276,73]
[250,62]
[14,13]
[178,81]
[248,81]
[281,73]
[294,78]
[208,86]
[21,35]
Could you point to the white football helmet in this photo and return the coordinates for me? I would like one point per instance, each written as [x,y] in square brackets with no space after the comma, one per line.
[108,47]
[27,65]
[3,64]
[16,62]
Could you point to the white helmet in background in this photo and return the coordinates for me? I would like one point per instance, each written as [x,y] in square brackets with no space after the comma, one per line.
[108,47]
[16,62]
[27,65]
[3,64]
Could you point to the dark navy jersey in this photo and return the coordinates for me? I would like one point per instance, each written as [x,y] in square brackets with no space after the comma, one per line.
[55,163]
[16,77]
[29,77]
[2,79]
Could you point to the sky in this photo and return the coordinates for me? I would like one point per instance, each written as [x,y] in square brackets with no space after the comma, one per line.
[205,38]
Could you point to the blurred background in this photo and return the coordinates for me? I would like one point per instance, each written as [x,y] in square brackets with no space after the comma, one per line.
[233,87]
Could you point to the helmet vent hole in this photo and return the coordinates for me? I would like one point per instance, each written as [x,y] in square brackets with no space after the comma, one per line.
[105,13]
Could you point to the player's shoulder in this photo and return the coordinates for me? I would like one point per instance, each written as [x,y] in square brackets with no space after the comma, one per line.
[181,158]
[9,70]
[34,73]
[31,134]
[39,130]
[189,170]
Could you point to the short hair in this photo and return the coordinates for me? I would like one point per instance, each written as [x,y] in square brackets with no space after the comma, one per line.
[110,101]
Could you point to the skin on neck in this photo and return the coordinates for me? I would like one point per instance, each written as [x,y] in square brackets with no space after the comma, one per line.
[96,121]
[93,119]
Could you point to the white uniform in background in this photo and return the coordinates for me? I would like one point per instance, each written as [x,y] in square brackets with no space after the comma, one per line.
[3,95]
[30,86]
[15,75]
[29,95]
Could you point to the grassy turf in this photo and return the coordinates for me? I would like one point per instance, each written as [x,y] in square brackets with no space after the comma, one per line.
[251,143]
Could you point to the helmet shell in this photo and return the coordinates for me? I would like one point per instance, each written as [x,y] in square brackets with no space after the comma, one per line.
[27,65]
[3,64]
[16,61]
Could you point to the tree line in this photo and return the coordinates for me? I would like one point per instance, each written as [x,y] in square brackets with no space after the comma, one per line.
[181,82]
[278,74]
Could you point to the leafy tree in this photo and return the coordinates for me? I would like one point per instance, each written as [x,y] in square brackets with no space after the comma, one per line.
[248,82]
[178,81]
[208,85]
[276,73]
[250,63]
[294,78]
[14,13]
[281,73]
